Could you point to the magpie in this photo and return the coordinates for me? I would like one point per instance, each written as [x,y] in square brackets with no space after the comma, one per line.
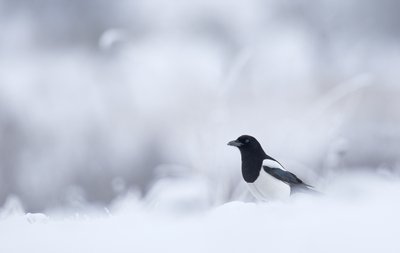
[266,177]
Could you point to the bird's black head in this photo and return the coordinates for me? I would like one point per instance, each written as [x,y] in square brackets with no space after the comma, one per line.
[248,145]
[252,156]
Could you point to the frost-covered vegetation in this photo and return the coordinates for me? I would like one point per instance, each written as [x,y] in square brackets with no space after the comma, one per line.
[114,119]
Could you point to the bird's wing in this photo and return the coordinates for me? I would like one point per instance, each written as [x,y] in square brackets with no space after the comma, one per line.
[276,170]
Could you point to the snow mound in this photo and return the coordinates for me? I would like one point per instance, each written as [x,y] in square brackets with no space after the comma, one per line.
[355,214]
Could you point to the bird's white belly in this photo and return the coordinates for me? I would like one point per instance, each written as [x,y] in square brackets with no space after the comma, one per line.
[266,188]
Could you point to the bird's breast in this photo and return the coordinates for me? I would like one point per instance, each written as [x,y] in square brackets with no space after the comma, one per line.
[267,187]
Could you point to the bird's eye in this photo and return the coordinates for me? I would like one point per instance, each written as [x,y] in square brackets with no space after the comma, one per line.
[247,141]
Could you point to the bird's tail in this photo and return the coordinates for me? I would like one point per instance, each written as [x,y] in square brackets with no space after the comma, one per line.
[304,188]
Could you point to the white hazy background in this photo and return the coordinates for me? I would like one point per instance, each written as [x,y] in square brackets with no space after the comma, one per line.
[114,119]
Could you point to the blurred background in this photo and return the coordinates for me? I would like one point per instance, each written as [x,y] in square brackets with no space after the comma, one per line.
[100,100]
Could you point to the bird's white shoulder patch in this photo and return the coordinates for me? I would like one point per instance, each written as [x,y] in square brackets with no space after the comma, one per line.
[272,164]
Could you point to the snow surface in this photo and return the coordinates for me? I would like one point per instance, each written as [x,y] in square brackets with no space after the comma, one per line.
[356,213]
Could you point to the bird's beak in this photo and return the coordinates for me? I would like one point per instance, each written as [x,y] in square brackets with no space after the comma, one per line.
[235,143]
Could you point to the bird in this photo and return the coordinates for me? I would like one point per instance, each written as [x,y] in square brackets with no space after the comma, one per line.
[266,178]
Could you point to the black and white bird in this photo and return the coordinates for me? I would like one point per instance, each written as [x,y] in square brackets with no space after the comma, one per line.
[266,177]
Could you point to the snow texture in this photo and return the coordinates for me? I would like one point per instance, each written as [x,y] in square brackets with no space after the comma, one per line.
[356,213]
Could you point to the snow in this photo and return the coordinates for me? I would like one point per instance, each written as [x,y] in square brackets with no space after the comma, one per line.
[356,213]
[113,128]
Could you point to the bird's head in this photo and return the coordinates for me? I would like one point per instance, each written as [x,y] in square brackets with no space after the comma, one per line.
[247,145]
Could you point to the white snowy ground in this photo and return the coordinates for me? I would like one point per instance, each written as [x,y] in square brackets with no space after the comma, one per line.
[355,214]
